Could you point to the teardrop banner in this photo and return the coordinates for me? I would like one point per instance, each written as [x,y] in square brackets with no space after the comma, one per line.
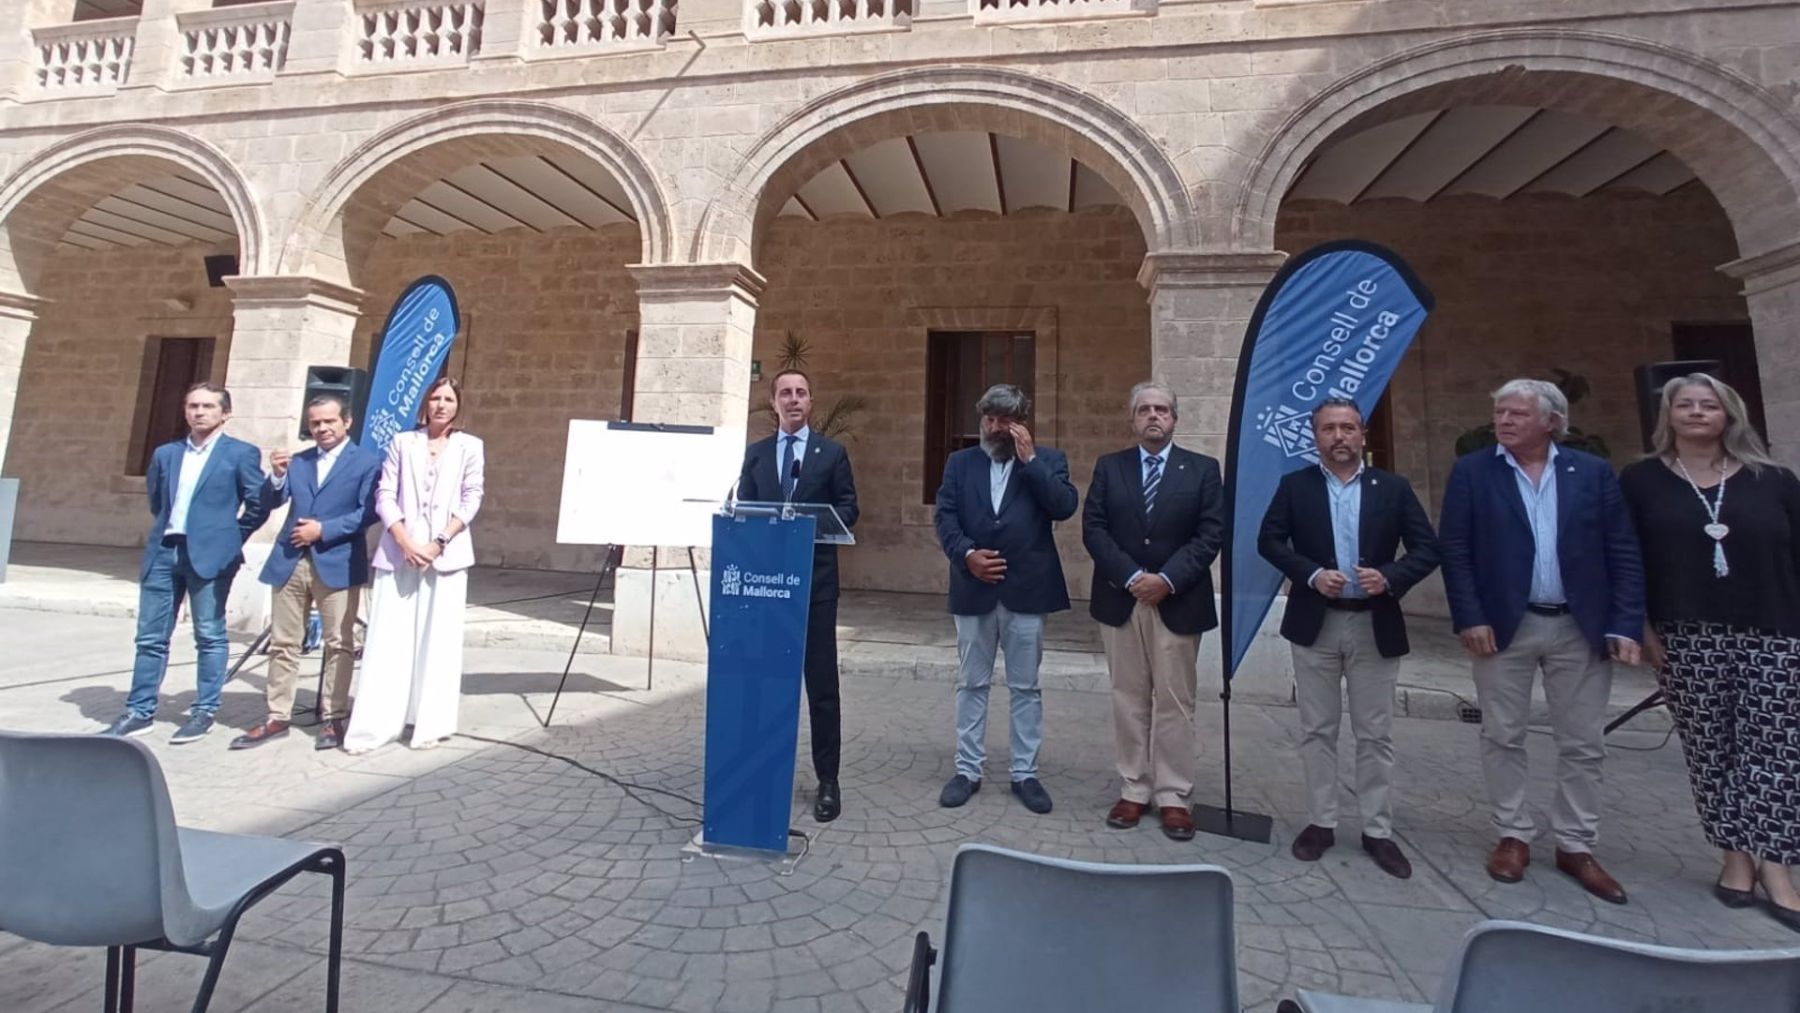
[1334,323]
[415,341]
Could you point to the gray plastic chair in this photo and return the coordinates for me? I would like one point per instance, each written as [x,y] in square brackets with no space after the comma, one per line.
[1046,935]
[1505,967]
[90,856]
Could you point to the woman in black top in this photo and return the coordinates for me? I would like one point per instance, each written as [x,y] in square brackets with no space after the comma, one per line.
[1720,525]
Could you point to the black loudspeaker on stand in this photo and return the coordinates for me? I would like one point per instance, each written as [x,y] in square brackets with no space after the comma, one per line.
[347,382]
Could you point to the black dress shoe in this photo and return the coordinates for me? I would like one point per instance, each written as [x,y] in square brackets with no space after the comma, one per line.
[1031,792]
[331,734]
[1312,843]
[1388,856]
[1785,915]
[957,791]
[829,803]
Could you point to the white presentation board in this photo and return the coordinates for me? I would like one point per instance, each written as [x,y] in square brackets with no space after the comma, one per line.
[640,484]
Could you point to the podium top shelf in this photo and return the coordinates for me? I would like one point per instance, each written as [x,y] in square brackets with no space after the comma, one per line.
[830,527]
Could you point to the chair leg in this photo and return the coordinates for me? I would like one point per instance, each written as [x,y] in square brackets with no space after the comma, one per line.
[127,979]
[110,1004]
[214,964]
[335,955]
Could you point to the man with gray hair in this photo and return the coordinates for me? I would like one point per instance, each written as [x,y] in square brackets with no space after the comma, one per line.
[995,510]
[1542,571]
[1154,521]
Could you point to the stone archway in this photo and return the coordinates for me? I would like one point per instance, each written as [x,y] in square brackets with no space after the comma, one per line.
[53,188]
[947,98]
[346,212]
[1742,141]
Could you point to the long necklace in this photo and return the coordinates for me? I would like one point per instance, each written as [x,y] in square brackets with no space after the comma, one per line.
[1714,529]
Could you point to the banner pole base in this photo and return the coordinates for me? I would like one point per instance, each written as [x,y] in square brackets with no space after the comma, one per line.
[1234,823]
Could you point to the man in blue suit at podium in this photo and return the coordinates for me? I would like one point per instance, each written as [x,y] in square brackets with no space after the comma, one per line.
[798,465]
[994,516]
[320,560]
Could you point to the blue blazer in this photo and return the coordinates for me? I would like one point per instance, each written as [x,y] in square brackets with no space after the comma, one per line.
[1036,496]
[1487,545]
[226,510]
[344,507]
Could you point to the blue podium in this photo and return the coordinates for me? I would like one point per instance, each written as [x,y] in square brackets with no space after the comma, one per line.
[762,557]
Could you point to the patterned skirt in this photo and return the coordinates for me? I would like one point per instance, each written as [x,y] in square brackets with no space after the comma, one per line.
[1735,696]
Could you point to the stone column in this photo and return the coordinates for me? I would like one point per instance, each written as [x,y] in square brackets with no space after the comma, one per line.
[695,323]
[1200,305]
[280,326]
[17,315]
[1772,292]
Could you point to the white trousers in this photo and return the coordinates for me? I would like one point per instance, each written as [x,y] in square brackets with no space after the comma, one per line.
[412,658]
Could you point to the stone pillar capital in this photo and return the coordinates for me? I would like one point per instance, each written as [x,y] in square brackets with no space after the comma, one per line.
[1166,269]
[1767,271]
[686,280]
[293,290]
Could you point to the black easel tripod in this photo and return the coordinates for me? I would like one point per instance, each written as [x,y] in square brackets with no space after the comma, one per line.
[614,555]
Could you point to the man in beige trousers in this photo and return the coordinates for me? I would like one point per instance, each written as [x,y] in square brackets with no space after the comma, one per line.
[1154,520]
[1334,530]
[319,560]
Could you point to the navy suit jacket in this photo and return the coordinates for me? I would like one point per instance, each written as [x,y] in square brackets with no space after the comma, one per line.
[1179,541]
[1297,539]
[344,507]
[1485,536]
[1036,496]
[824,478]
[227,507]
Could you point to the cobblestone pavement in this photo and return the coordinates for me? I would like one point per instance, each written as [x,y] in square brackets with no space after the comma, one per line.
[487,876]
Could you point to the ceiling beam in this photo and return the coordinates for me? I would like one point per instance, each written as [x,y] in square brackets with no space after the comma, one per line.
[533,194]
[1399,155]
[210,231]
[999,178]
[597,195]
[1509,135]
[860,192]
[453,217]
[924,177]
[810,213]
[1614,178]
[196,205]
[491,206]
[1559,163]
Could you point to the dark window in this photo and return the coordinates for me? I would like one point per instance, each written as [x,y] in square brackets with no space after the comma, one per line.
[1378,435]
[959,367]
[171,366]
[1733,344]
[627,396]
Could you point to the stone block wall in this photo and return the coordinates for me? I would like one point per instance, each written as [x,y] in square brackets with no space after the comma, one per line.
[864,294]
[79,391]
[545,318]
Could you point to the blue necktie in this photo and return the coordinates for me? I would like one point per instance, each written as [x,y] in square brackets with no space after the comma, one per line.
[789,468]
[1152,478]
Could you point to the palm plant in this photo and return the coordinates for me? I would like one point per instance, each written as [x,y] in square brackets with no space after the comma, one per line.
[834,420]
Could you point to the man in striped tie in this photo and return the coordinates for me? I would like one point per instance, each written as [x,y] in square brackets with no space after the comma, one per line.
[1154,520]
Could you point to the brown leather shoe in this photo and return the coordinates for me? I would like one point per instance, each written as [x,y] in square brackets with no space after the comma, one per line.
[1590,875]
[331,734]
[1313,842]
[1388,856]
[269,729]
[1125,814]
[1177,822]
[1507,863]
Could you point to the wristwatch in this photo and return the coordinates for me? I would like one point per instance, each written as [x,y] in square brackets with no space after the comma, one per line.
[442,540]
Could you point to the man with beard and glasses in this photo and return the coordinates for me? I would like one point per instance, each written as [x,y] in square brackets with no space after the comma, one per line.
[995,510]
[1154,520]
[1333,530]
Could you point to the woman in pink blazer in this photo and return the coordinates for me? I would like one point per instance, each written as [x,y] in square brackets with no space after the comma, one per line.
[429,493]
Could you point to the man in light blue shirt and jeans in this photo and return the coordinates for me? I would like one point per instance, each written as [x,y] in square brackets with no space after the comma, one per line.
[205,493]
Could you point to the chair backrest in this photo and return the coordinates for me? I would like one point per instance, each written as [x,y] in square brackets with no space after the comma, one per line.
[1045,935]
[1505,967]
[86,840]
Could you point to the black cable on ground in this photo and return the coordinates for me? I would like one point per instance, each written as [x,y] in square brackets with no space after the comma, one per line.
[630,788]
